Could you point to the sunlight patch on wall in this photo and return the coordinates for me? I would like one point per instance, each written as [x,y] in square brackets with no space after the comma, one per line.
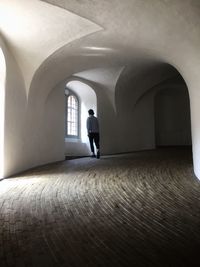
[2,109]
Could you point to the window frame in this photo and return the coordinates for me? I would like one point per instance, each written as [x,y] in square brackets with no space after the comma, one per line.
[69,93]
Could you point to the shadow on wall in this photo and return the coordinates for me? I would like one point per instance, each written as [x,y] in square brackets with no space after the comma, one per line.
[172,117]
[153,109]
[79,146]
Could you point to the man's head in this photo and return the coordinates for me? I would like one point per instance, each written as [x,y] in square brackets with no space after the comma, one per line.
[91,112]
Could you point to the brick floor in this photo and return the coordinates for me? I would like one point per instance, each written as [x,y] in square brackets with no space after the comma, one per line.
[140,209]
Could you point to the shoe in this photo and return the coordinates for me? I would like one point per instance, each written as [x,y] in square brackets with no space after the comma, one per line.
[93,156]
[98,154]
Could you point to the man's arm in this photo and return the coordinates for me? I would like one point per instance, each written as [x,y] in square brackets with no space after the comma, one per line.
[88,125]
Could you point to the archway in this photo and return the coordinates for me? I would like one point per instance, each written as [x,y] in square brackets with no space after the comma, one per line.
[153,107]
[79,146]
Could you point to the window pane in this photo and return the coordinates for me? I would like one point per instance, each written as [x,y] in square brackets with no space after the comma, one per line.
[72,115]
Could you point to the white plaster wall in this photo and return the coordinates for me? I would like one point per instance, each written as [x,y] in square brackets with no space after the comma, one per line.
[53,118]
[195,123]
[133,126]
[32,134]
[2,108]
[76,148]
[14,116]
[105,77]
[172,114]
[131,131]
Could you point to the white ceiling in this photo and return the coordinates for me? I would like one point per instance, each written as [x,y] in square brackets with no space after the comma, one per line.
[64,37]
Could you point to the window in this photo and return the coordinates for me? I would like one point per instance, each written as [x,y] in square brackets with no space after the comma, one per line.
[72,115]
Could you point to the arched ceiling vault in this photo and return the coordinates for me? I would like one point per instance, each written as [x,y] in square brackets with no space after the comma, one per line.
[54,39]
[34,30]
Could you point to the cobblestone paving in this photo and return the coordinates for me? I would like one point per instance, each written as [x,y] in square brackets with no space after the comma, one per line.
[141,209]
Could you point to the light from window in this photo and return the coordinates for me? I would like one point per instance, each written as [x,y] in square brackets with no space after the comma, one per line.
[72,115]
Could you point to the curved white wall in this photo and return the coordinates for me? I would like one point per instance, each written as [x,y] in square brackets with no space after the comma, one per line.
[172,117]
[2,109]
[14,115]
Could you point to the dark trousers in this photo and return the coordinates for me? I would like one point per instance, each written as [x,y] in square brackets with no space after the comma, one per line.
[94,138]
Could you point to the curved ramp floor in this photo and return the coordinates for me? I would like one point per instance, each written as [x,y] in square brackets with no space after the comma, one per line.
[140,209]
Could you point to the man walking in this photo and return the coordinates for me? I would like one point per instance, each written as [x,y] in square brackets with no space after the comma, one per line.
[93,132]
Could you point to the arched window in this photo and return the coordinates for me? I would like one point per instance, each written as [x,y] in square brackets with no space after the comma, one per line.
[72,115]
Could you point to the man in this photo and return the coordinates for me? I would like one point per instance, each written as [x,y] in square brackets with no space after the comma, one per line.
[93,132]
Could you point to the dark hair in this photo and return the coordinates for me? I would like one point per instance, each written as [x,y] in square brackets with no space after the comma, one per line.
[91,112]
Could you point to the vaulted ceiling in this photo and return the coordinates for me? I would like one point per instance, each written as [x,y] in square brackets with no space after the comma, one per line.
[81,35]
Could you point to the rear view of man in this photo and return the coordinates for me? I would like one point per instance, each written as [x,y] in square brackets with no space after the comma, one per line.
[93,132]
